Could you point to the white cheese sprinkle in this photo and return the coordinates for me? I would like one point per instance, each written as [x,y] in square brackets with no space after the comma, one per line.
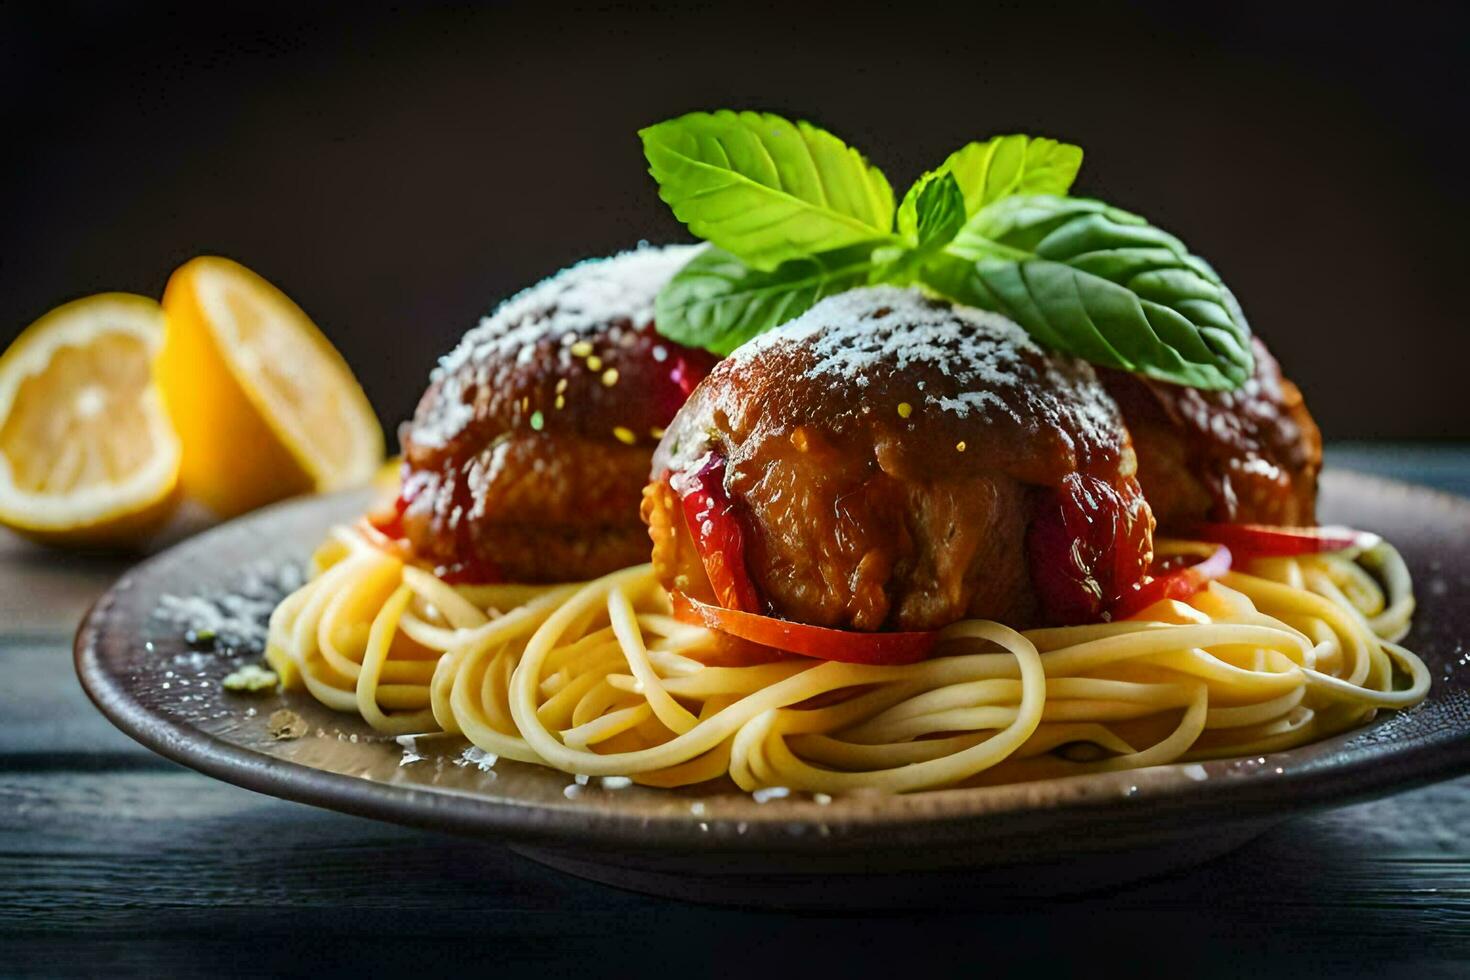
[237,617]
[987,365]
[478,757]
[579,300]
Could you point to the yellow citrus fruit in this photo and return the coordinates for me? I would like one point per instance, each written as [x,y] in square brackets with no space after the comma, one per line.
[87,456]
[264,405]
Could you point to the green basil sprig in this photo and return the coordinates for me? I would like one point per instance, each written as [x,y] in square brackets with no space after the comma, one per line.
[1100,283]
[998,168]
[938,215]
[796,215]
[766,189]
[718,302]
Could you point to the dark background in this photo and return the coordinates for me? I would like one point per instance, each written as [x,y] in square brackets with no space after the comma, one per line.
[398,170]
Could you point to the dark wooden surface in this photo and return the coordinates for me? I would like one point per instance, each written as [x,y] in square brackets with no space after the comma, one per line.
[115,862]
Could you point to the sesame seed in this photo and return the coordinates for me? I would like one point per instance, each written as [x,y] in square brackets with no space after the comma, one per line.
[525,402]
[624,435]
[594,363]
[581,348]
[561,386]
[960,446]
[537,421]
[905,410]
[561,401]
[610,377]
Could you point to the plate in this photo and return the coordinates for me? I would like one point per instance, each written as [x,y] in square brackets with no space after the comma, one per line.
[717,844]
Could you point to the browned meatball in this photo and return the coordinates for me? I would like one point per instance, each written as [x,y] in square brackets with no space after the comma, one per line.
[1247,456]
[528,453]
[887,461]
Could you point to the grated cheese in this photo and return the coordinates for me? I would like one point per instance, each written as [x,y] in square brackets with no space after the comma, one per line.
[585,298]
[869,338]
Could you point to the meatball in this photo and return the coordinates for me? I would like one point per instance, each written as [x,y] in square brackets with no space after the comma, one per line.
[527,455]
[1247,456]
[888,461]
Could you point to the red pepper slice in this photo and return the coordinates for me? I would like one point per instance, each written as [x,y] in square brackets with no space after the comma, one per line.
[718,534]
[1179,583]
[819,642]
[1266,539]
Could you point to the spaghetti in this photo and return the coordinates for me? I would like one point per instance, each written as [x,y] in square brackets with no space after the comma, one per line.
[600,678]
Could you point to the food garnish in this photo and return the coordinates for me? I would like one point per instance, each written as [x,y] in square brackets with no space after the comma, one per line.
[263,404]
[250,679]
[1089,546]
[1268,540]
[286,725]
[819,642]
[794,215]
[719,537]
[1173,580]
[87,456]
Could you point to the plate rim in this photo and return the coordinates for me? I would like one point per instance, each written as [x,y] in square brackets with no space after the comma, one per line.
[951,816]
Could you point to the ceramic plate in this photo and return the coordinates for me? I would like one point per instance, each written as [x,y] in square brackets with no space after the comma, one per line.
[720,844]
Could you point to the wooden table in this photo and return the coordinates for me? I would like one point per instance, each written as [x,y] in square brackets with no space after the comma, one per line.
[113,861]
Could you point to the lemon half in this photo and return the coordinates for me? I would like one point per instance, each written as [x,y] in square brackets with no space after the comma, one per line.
[264,405]
[87,455]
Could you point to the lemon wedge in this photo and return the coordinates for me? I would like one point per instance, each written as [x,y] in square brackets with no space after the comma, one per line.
[264,405]
[87,456]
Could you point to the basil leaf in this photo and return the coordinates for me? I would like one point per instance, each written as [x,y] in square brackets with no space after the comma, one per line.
[940,214]
[997,168]
[718,302]
[766,189]
[1102,284]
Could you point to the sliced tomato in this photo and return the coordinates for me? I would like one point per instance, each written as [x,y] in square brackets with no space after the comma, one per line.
[1173,583]
[1089,543]
[1266,539]
[719,535]
[846,646]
